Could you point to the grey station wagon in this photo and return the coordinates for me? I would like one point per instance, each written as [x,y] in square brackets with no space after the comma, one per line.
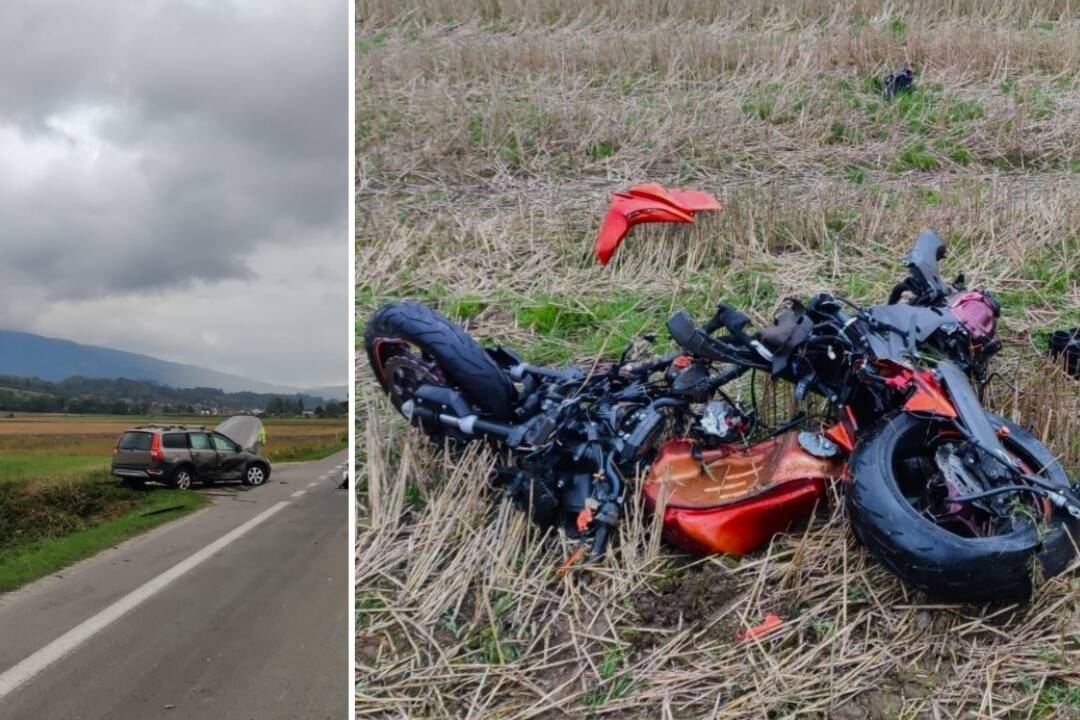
[178,455]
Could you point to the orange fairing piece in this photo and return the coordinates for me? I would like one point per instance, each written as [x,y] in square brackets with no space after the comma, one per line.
[927,396]
[645,204]
[843,432]
[734,500]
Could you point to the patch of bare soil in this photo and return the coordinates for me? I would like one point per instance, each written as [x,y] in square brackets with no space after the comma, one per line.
[688,595]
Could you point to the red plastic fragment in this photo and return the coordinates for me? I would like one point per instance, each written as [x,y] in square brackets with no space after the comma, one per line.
[649,203]
[584,518]
[772,621]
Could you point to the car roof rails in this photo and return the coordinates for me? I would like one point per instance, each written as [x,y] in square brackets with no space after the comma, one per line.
[155,426]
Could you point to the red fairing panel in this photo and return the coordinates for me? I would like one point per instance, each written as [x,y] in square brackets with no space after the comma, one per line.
[743,527]
[733,500]
[647,204]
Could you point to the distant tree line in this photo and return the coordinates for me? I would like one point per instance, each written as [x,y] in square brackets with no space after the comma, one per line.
[139,397]
[295,406]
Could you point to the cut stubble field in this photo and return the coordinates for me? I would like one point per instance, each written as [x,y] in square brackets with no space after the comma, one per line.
[489,136]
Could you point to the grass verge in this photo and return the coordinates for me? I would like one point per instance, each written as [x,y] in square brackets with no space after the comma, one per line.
[24,562]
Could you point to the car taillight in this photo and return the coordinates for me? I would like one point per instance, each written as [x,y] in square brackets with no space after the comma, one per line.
[155,448]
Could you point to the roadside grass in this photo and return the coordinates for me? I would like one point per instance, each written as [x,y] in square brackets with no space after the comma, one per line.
[46,527]
[489,136]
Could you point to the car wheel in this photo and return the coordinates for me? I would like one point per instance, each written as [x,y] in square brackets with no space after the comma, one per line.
[254,475]
[182,479]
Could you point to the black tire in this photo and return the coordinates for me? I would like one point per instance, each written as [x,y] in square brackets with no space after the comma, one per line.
[255,474]
[466,365]
[931,558]
[183,477]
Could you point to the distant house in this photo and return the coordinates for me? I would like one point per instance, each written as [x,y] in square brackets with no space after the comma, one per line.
[309,413]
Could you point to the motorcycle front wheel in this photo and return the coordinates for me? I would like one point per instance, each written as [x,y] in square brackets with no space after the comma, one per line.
[409,345]
[946,549]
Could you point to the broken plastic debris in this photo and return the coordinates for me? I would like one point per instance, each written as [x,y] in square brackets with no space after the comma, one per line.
[772,621]
[649,203]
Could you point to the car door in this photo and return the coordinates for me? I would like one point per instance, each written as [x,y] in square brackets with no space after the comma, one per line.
[131,454]
[231,462]
[203,454]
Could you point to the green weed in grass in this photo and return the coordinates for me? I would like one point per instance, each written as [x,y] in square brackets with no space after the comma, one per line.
[602,150]
[916,156]
[611,687]
[1057,699]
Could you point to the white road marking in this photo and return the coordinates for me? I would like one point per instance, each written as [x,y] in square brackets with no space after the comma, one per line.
[17,675]
[298,493]
[313,484]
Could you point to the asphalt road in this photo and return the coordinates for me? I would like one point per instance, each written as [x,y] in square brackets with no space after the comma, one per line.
[238,611]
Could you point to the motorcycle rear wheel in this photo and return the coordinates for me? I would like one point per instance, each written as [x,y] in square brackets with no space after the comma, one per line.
[939,561]
[409,344]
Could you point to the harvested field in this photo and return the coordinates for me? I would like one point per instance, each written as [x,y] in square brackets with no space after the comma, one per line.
[489,135]
[43,446]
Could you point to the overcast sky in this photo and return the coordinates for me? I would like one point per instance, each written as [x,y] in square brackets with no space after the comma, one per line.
[173,180]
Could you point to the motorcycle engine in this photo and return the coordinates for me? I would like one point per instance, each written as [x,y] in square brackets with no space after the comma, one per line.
[721,421]
[639,429]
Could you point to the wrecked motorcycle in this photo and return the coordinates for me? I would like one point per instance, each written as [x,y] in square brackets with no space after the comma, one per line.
[954,500]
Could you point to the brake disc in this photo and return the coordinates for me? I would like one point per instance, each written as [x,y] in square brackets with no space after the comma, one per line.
[952,467]
[406,373]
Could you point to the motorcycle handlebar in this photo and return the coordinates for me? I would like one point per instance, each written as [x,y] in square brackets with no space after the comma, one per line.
[731,320]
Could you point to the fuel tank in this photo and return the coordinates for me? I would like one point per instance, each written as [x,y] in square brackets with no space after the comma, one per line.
[732,499]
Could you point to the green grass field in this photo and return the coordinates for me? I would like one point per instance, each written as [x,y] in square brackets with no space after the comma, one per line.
[490,134]
[15,467]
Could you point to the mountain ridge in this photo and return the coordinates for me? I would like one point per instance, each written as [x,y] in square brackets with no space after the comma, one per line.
[27,354]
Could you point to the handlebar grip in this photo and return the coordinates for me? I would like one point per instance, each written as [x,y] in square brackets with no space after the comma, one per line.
[732,320]
[681,328]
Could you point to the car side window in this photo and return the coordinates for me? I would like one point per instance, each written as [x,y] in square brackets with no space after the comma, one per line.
[174,440]
[223,443]
[200,441]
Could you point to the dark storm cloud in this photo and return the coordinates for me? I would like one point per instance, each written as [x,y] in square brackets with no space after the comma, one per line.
[156,147]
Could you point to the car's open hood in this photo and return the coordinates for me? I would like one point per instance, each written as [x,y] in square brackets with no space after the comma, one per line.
[242,429]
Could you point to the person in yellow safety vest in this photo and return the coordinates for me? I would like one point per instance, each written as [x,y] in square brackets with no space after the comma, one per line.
[262,439]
